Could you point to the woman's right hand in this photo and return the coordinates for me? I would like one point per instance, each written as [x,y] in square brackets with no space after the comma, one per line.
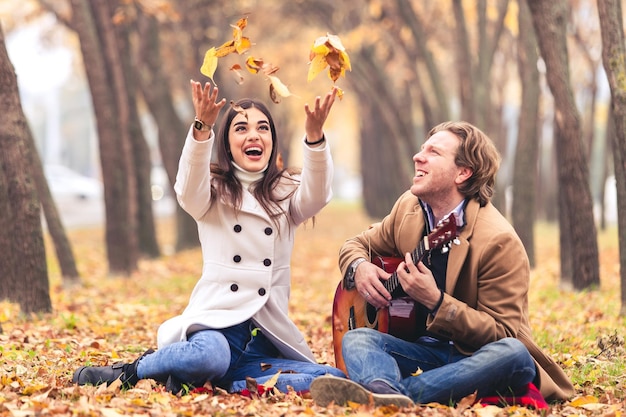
[206,105]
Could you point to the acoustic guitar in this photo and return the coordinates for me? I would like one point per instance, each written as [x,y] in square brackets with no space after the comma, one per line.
[351,310]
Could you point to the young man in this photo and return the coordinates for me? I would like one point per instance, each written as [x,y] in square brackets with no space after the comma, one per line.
[472,305]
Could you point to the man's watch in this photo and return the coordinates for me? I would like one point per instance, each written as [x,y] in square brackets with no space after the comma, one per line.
[348,282]
[201,126]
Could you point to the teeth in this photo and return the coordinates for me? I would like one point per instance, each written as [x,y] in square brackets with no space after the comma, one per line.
[420,173]
[254,150]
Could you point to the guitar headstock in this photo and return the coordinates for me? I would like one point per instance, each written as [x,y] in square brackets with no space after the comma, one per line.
[445,232]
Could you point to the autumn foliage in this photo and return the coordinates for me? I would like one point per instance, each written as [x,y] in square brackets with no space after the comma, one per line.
[327,51]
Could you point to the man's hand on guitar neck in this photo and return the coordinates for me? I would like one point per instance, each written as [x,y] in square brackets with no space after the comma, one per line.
[419,283]
[367,279]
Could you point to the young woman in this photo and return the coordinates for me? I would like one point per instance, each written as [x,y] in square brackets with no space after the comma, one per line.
[236,324]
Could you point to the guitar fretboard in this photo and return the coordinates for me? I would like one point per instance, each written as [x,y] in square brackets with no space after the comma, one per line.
[394,282]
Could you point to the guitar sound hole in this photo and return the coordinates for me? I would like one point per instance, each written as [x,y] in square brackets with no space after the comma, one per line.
[371,313]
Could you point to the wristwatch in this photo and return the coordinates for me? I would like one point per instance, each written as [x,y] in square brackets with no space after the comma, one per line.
[348,282]
[201,126]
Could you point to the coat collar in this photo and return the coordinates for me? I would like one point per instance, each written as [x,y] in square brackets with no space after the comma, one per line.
[458,252]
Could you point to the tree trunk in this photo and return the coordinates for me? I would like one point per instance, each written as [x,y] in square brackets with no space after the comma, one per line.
[613,53]
[577,222]
[97,43]
[464,64]
[442,112]
[607,162]
[21,235]
[386,134]
[141,163]
[62,245]
[155,88]
[525,169]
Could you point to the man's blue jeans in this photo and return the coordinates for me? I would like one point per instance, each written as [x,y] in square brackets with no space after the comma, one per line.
[226,357]
[435,371]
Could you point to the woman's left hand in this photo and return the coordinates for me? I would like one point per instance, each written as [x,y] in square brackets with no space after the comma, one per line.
[316,117]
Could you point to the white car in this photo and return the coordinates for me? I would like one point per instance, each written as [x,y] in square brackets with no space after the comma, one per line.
[66,184]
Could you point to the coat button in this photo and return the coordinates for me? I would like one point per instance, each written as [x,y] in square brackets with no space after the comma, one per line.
[261,292]
[237,228]
[237,258]
[268,231]
[234,287]
[267,262]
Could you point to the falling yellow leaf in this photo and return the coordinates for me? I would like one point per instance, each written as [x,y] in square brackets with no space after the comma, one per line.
[317,65]
[328,51]
[210,63]
[277,87]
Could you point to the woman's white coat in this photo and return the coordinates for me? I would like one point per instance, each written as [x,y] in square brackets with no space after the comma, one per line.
[246,271]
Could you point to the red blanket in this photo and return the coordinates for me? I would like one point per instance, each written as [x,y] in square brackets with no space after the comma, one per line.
[528,397]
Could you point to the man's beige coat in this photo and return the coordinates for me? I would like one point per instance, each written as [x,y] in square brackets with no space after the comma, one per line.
[487,281]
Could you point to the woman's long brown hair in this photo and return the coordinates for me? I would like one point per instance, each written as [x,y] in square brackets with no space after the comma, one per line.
[227,186]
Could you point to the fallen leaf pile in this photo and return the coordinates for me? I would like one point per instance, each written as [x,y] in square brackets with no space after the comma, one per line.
[110,319]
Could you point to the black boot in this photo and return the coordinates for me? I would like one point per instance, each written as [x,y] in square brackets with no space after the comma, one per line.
[96,375]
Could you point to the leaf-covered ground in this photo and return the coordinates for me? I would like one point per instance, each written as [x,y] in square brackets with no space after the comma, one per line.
[109,319]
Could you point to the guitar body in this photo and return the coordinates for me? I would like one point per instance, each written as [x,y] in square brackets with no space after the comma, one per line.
[351,311]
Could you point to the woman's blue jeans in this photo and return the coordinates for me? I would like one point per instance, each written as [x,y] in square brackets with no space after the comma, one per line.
[226,357]
[435,371]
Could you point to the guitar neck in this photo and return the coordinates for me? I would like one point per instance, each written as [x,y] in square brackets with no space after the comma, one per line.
[417,255]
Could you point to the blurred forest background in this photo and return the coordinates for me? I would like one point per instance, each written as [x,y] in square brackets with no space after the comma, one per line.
[104,90]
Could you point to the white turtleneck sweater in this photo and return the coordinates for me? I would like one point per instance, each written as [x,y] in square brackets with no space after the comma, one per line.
[246,177]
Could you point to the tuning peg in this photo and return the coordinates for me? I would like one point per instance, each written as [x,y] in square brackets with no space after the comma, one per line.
[445,249]
[456,241]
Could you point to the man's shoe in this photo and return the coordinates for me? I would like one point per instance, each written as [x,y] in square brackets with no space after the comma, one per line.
[97,375]
[331,389]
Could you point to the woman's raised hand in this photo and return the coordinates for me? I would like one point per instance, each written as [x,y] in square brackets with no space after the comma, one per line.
[205,102]
[316,117]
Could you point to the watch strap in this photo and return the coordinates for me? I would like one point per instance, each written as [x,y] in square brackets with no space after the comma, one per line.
[201,126]
[348,282]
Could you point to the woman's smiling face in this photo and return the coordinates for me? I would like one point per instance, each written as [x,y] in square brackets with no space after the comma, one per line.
[250,140]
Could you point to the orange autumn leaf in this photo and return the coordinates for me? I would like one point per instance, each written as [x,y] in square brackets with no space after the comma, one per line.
[237,71]
[225,49]
[239,27]
[242,45]
[239,44]
[584,400]
[239,109]
[254,65]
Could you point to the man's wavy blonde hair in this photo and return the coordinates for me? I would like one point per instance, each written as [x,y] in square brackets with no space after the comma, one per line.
[478,153]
